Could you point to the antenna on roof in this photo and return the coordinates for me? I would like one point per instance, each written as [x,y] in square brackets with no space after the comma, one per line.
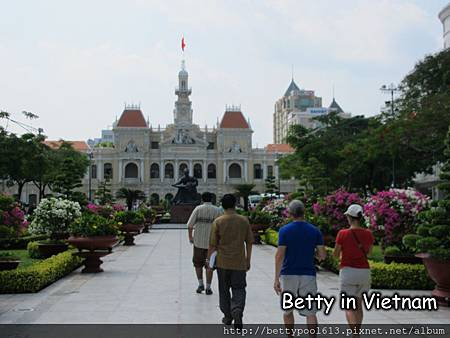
[292,72]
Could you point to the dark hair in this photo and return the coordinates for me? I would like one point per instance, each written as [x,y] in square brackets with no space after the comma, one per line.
[206,197]
[228,201]
[357,218]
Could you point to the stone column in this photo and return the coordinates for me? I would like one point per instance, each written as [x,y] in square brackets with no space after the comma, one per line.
[120,171]
[245,171]
[225,171]
[205,170]
[140,171]
[161,170]
[191,172]
[264,170]
[176,170]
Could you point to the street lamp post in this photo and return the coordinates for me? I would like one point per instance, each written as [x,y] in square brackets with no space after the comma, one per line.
[391,89]
[91,156]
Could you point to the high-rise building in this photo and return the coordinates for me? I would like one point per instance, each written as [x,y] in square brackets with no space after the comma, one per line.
[299,106]
[444,16]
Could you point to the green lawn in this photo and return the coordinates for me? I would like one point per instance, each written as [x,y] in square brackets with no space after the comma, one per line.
[377,255]
[25,260]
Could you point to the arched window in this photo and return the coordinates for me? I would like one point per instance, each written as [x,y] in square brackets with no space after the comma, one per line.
[181,169]
[214,198]
[168,197]
[234,171]
[154,199]
[270,171]
[212,170]
[168,170]
[198,170]
[131,170]
[107,171]
[154,170]
[257,171]
[94,171]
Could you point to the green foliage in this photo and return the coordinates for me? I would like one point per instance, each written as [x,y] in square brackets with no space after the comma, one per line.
[244,190]
[392,251]
[33,250]
[6,256]
[410,240]
[130,196]
[359,153]
[148,213]
[90,224]
[271,186]
[260,217]
[103,193]
[37,276]
[129,217]
[6,202]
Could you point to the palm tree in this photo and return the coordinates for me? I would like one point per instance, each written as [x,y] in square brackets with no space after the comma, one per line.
[130,196]
[245,190]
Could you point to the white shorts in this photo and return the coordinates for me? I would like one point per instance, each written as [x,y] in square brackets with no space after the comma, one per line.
[354,281]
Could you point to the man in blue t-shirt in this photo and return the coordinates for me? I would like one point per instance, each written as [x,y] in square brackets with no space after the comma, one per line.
[295,271]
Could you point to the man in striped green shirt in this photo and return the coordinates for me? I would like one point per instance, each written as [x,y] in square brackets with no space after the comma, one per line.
[199,229]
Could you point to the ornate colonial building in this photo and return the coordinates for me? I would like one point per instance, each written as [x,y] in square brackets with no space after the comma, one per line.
[152,159]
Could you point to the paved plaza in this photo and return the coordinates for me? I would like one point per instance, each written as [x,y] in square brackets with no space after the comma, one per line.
[154,282]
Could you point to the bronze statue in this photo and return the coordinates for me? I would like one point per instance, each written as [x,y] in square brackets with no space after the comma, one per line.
[187,190]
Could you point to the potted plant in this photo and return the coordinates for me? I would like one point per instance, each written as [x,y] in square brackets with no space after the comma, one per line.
[395,254]
[53,217]
[8,261]
[149,217]
[131,223]
[94,236]
[260,221]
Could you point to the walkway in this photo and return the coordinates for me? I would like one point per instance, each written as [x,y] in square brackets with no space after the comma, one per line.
[154,282]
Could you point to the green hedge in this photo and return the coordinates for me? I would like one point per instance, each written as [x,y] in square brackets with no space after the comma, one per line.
[384,276]
[19,242]
[33,250]
[37,276]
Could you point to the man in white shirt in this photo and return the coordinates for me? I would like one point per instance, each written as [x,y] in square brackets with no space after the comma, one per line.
[199,229]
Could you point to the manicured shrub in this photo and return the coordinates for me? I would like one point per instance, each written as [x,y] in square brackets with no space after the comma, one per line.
[37,276]
[19,242]
[33,250]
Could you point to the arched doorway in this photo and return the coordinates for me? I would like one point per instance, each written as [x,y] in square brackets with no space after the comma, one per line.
[131,170]
[234,171]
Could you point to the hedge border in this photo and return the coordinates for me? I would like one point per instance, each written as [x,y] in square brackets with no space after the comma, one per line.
[19,242]
[384,276]
[39,275]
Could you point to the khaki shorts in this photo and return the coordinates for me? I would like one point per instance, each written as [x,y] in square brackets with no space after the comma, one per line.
[299,286]
[354,281]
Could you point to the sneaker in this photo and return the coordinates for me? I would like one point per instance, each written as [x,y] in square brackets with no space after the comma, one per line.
[227,320]
[208,292]
[200,289]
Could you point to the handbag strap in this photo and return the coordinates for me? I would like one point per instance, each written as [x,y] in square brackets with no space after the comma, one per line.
[359,243]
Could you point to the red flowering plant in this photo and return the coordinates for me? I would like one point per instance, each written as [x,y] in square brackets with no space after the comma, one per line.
[107,211]
[12,218]
[393,213]
[329,211]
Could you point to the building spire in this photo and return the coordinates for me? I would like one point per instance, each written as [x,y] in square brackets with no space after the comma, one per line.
[292,72]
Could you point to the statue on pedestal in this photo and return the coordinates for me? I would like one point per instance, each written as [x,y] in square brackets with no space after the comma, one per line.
[187,190]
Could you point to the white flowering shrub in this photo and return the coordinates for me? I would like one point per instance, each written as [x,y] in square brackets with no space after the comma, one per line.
[54,215]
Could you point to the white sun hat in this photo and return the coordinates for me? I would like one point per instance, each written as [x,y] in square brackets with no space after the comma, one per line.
[354,210]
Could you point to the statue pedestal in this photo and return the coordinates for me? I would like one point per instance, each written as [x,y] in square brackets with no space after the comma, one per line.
[180,213]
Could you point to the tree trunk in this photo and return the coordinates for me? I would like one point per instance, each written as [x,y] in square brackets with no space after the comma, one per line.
[245,203]
[20,186]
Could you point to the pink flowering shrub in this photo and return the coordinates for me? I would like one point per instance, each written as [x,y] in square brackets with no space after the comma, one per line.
[107,211]
[15,219]
[392,214]
[332,207]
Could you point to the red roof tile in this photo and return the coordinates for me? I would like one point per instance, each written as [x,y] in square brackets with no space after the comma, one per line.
[233,119]
[132,118]
[77,145]
[279,148]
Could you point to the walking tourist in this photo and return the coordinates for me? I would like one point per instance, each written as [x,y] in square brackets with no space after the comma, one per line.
[353,245]
[232,238]
[295,271]
[199,230]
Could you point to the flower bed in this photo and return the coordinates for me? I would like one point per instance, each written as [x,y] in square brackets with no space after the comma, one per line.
[384,276]
[37,276]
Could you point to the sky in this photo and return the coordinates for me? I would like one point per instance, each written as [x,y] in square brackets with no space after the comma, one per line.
[76,63]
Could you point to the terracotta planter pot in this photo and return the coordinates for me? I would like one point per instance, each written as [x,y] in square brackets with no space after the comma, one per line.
[147,225]
[130,231]
[47,250]
[439,272]
[402,259]
[92,249]
[9,265]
